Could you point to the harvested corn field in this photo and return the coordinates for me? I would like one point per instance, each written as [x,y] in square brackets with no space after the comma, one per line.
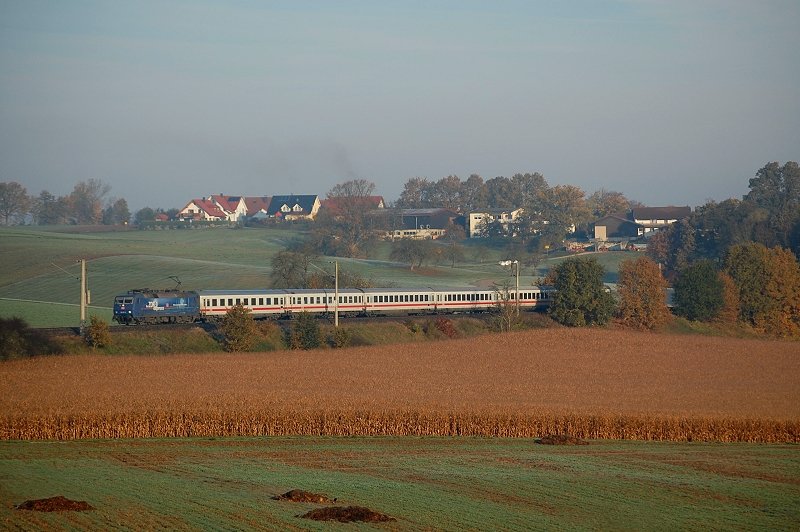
[586,383]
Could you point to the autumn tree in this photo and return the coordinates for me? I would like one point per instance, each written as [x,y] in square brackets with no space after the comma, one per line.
[14,201]
[86,201]
[729,312]
[769,287]
[642,293]
[699,292]
[581,298]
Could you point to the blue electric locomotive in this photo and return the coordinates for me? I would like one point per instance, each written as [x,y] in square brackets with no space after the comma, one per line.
[156,306]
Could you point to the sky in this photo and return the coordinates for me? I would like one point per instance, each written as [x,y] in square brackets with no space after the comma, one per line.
[672,102]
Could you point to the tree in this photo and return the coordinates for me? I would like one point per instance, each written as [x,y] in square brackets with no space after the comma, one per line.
[642,293]
[97,333]
[604,202]
[305,332]
[581,298]
[290,269]
[416,194]
[14,201]
[507,317]
[412,252]
[564,208]
[473,193]
[729,313]
[447,193]
[776,188]
[238,329]
[769,287]
[145,214]
[86,201]
[699,292]
[116,213]
[49,210]
[346,224]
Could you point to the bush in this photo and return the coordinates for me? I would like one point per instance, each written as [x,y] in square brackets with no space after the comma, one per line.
[97,335]
[238,329]
[341,338]
[18,340]
[305,333]
[445,326]
[581,298]
[699,292]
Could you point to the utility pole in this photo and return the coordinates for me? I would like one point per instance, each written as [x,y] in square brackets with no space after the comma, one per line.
[84,293]
[336,290]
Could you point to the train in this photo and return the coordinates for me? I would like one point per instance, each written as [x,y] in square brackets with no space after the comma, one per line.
[145,306]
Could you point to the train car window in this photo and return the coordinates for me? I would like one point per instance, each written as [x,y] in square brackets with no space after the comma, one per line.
[230,302]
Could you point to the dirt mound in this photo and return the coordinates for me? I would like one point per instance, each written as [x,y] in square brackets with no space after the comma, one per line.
[55,504]
[347,514]
[561,439]
[303,496]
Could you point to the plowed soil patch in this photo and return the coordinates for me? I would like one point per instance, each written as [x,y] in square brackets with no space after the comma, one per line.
[303,496]
[55,504]
[347,514]
[561,439]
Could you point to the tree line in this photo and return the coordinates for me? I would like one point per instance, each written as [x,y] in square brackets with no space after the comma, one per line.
[89,203]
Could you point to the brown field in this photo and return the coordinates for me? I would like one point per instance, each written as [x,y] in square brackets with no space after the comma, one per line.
[588,383]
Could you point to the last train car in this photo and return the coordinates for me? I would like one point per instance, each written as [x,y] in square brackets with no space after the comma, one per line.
[156,306]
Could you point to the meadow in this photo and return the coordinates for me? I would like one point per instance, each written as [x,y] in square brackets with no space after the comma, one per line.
[423,483]
[39,278]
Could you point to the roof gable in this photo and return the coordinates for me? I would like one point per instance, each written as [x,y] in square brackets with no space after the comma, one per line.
[304,202]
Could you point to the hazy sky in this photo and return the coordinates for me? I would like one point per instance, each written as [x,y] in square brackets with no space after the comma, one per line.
[668,101]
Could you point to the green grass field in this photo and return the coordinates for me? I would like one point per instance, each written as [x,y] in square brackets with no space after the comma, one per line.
[424,483]
[39,273]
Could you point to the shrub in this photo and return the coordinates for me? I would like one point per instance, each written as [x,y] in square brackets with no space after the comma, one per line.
[699,292]
[445,326]
[238,329]
[305,332]
[97,335]
[581,298]
[18,340]
[341,338]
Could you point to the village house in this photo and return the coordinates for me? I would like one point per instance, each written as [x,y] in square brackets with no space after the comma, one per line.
[257,207]
[294,207]
[421,224]
[639,222]
[478,221]
[202,210]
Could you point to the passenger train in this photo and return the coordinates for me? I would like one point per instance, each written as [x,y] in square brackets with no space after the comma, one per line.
[176,306]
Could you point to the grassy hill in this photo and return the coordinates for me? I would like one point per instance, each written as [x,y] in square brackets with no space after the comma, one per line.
[39,277]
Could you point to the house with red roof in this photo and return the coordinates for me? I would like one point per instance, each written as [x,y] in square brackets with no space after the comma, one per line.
[257,206]
[202,210]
